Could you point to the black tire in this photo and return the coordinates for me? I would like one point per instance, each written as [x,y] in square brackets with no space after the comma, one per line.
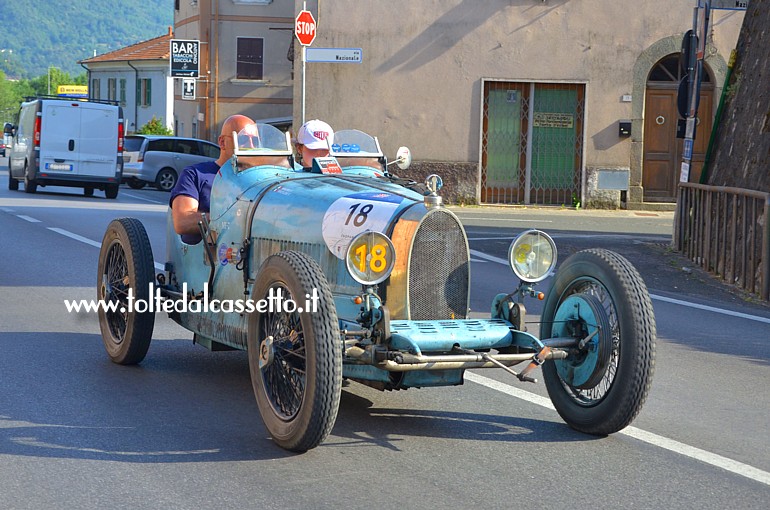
[166,179]
[30,185]
[125,262]
[13,184]
[612,397]
[111,191]
[298,391]
[88,192]
[135,184]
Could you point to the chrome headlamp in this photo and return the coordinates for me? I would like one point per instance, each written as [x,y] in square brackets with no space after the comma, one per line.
[532,256]
[370,258]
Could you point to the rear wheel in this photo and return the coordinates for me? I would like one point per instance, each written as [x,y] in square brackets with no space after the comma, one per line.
[166,179]
[89,192]
[13,184]
[111,191]
[295,358]
[600,388]
[30,185]
[136,184]
[125,266]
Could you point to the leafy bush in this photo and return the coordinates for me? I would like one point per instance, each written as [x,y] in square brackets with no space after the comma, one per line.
[154,127]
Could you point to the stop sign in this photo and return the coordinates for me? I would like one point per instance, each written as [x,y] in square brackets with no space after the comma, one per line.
[304,28]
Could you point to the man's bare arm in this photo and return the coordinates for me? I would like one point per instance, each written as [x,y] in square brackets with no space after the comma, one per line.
[185,213]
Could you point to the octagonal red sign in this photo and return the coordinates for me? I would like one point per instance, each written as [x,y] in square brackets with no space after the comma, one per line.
[304,28]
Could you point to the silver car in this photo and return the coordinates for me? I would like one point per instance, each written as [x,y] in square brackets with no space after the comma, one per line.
[159,160]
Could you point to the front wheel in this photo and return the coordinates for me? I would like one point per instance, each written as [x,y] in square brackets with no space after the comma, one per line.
[135,184]
[13,184]
[126,268]
[295,357]
[600,388]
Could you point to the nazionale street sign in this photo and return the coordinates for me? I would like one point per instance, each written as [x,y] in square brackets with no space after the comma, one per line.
[335,55]
[185,58]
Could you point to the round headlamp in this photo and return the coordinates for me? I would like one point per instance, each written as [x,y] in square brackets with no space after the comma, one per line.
[532,256]
[370,258]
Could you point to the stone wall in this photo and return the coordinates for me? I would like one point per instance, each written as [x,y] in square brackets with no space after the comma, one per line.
[741,155]
[459,179]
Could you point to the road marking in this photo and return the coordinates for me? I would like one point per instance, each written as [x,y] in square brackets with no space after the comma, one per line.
[6,209]
[142,198]
[692,452]
[655,297]
[76,237]
[28,218]
[508,220]
[490,258]
[711,309]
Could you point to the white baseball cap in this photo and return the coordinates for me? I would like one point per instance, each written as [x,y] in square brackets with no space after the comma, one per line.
[314,134]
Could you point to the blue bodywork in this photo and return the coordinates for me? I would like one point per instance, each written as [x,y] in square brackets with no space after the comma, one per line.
[264,209]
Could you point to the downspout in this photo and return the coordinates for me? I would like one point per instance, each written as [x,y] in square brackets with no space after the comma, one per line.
[216,69]
[88,78]
[136,103]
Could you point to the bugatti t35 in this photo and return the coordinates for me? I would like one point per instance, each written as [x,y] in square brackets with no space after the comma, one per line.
[372,277]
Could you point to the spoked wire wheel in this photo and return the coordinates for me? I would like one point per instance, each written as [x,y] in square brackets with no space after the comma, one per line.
[284,377]
[600,388]
[126,267]
[295,355]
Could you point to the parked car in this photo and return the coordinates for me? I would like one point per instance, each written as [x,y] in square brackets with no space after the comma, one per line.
[159,160]
[66,142]
[388,269]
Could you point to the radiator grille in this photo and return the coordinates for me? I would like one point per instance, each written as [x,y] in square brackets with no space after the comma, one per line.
[439,269]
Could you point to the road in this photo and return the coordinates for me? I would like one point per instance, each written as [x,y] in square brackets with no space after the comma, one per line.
[182,429]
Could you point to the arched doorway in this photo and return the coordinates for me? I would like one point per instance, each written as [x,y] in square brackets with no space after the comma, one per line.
[662,149]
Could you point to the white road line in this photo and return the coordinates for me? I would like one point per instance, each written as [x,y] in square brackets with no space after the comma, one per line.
[692,452]
[76,237]
[28,218]
[490,258]
[711,309]
[507,220]
[6,209]
[655,297]
[142,198]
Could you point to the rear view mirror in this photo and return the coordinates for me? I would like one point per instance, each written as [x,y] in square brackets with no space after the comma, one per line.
[8,128]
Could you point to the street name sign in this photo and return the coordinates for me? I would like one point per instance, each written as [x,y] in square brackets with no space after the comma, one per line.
[185,58]
[335,55]
[734,5]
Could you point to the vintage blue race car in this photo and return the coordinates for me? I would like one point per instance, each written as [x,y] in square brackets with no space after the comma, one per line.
[349,272]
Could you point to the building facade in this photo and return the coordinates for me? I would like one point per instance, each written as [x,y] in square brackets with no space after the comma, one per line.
[521,102]
[138,78]
[246,62]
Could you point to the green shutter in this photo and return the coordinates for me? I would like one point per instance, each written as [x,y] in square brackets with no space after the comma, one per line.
[148,100]
[138,92]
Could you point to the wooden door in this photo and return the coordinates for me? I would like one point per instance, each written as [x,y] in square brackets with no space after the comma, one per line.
[662,149]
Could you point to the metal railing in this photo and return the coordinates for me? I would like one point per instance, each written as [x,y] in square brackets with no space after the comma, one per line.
[726,231]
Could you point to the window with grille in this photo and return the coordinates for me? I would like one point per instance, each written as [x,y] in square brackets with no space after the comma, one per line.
[250,58]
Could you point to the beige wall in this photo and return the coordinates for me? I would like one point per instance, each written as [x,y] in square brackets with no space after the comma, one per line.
[218,24]
[423,62]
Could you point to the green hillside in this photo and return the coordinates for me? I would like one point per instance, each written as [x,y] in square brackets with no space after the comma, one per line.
[36,34]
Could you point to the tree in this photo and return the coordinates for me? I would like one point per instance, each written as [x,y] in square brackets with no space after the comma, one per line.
[154,127]
[741,153]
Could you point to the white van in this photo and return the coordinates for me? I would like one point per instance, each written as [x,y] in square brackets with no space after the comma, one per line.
[67,142]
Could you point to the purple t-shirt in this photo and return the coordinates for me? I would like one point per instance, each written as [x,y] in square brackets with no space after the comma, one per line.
[195,182]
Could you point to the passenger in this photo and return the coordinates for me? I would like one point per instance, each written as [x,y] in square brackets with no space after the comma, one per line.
[192,194]
[312,141]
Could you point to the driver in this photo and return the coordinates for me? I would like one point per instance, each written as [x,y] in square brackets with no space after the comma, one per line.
[192,194]
[313,140]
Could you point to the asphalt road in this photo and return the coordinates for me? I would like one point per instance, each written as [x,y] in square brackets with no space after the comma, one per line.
[182,429]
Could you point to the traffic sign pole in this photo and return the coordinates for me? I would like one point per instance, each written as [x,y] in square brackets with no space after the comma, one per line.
[305,30]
